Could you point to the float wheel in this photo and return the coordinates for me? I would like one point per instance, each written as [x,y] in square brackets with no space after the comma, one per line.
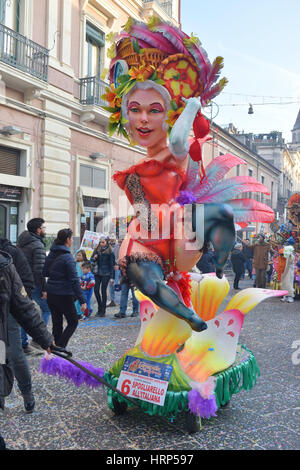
[226,404]
[119,407]
[192,422]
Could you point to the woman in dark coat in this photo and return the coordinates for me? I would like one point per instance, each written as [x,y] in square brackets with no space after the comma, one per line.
[206,262]
[63,287]
[103,259]
[237,261]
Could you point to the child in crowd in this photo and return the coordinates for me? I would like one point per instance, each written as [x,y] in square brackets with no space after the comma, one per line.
[87,282]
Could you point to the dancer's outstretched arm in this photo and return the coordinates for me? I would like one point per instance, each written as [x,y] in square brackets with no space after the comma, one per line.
[178,142]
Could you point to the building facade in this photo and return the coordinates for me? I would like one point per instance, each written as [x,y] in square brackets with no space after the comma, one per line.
[285,157]
[228,141]
[56,157]
[295,144]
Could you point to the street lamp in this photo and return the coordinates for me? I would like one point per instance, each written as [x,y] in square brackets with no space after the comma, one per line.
[96,155]
[10,130]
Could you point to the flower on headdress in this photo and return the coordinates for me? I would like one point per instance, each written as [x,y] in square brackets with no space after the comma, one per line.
[111,51]
[115,117]
[111,97]
[141,73]
[130,22]
[173,115]
[153,22]
[104,73]
[111,37]
[191,41]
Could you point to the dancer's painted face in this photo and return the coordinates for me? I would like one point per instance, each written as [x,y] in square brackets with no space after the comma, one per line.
[147,114]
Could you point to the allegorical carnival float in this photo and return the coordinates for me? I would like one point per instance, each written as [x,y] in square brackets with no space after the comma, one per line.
[285,242]
[187,358]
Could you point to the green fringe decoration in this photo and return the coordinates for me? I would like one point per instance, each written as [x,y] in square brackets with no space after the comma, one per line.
[240,376]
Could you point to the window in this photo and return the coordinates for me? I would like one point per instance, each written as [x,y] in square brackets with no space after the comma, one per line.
[272,192]
[92,177]
[262,195]
[250,173]
[94,42]
[9,13]
[9,161]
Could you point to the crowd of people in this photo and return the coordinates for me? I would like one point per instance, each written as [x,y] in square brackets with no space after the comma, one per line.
[261,263]
[267,266]
[36,286]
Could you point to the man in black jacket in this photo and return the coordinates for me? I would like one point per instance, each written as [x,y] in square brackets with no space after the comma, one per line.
[17,357]
[237,262]
[13,300]
[248,252]
[206,262]
[32,245]
[21,264]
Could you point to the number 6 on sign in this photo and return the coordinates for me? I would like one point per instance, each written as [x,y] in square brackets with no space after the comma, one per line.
[125,387]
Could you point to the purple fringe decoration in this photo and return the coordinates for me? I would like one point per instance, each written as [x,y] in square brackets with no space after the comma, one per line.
[185,197]
[201,406]
[57,366]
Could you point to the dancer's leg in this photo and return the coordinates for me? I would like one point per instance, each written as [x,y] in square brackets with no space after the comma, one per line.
[148,278]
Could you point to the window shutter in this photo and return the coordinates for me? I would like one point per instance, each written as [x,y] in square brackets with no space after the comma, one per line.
[95,35]
[92,177]
[99,178]
[9,161]
[2,11]
[86,176]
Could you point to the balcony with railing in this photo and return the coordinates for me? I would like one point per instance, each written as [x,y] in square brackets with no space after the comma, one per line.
[22,53]
[91,89]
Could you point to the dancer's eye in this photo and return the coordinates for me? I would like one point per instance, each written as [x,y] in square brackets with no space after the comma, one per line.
[156,108]
[133,109]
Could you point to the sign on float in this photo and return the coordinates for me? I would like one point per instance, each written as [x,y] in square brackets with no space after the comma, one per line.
[145,380]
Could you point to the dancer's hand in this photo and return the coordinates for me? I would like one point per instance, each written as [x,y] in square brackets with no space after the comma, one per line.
[192,103]
[83,307]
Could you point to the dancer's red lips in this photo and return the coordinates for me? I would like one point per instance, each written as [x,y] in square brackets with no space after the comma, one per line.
[144,130]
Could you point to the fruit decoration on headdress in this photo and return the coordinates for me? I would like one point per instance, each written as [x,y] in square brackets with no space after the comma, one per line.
[181,76]
[163,53]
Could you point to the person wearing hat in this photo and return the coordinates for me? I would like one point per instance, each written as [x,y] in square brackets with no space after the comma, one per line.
[261,261]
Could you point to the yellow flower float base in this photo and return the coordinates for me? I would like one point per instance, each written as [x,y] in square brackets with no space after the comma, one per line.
[207,367]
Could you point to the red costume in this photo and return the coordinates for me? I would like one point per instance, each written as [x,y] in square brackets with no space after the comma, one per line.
[147,183]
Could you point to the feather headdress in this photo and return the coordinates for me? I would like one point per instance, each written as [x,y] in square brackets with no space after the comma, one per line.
[155,43]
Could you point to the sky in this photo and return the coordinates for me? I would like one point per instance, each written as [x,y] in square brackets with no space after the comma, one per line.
[260,43]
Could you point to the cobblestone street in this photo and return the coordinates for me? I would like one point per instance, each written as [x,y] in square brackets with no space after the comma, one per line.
[66,417]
